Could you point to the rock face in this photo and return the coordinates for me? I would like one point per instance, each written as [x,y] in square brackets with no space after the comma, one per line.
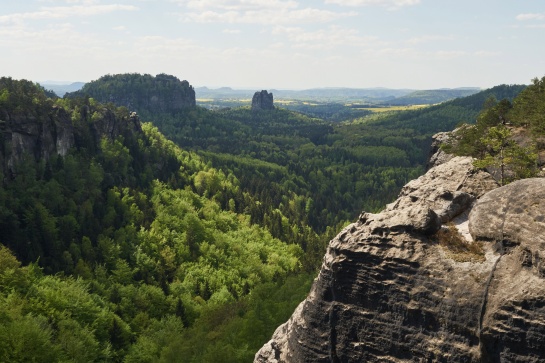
[388,291]
[144,93]
[438,156]
[262,101]
[40,137]
[513,320]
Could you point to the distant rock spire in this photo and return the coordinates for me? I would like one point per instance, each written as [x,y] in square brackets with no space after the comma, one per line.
[262,101]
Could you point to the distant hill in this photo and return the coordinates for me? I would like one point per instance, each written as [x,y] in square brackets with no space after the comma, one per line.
[327,94]
[430,97]
[445,116]
[61,89]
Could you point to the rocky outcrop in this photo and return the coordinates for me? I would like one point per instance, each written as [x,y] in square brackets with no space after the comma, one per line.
[144,93]
[262,101]
[41,136]
[438,156]
[111,126]
[513,319]
[389,291]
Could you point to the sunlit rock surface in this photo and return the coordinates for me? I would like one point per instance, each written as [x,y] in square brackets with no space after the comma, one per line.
[388,291]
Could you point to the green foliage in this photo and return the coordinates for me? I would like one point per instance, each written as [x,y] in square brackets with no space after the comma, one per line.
[239,328]
[135,237]
[162,93]
[140,251]
[502,153]
[529,108]
[504,138]
[334,112]
[429,97]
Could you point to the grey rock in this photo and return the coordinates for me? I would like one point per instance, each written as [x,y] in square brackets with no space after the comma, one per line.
[517,208]
[419,219]
[437,155]
[262,101]
[448,189]
[512,217]
[40,137]
[388,292]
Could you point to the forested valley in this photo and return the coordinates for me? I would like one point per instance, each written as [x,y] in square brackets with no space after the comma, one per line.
[184,233]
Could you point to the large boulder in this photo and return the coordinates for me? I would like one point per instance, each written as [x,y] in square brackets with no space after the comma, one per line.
[513,317]
[449,188]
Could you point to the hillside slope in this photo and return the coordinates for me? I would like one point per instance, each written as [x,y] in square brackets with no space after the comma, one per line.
[118,246]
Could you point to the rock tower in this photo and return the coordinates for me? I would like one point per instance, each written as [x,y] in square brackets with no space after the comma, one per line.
[262,101]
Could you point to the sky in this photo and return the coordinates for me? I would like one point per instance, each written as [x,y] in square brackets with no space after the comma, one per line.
[281,44]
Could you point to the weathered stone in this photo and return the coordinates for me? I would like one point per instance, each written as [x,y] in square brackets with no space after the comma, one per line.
[262,101]
[438,156]
[25,135]
[419,219]
[449,188]
[387,292]
[514,213]
[513,328]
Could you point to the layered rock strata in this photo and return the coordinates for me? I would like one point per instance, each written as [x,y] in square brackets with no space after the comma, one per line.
[388,291]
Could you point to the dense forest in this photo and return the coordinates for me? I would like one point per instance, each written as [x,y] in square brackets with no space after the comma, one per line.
[193,235]
[122,250]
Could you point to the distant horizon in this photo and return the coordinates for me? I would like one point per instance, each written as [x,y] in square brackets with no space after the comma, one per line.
[283,44]
[248,88]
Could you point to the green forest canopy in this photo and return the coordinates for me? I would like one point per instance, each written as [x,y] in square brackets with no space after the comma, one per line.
[140,249]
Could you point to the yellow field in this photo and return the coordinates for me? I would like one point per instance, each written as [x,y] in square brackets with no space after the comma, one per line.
[393,108]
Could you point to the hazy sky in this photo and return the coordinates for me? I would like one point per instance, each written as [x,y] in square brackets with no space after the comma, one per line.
[289,44]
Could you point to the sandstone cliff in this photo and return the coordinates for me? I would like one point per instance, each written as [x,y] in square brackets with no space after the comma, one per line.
[40,136]
[391,289]
[262,101]
[144,93]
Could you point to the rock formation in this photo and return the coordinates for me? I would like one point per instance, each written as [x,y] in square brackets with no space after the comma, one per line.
[438,156]
[262,101]
[144,93]
[390,290]
[41,136]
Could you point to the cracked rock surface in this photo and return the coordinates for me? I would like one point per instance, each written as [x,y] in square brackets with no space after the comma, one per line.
[389,292]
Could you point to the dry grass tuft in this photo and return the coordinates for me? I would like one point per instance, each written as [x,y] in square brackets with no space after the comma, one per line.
[457,247]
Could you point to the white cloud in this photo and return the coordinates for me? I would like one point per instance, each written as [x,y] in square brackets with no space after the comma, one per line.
[45,41]
[269,12]
[449,54]
[85,2]
[328,38]
[61,12]
[238,5]
[386,53]
[392,4]
[428,38]
[486,53]
[531,16]
[231,31]
[266,16]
